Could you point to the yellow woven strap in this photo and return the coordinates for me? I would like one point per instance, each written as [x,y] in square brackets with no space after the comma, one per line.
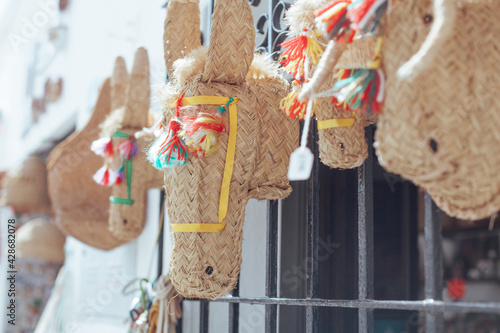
[197,227]
[333,123]
[228,168]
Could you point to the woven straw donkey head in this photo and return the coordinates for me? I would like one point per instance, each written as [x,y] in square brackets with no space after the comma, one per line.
[80,205]
[127,212]
[440,128]
[341,132]
[209,184]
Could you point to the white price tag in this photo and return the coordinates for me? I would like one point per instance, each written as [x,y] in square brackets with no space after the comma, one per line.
[301,163]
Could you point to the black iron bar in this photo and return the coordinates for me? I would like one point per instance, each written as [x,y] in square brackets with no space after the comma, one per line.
[433,263]
[312,267]
[365,237]
[423,305]
[234,312]
[204,307]
[272,264]
[161,233]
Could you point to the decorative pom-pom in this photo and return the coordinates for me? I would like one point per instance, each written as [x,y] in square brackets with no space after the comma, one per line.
[291,105]
[223,108]
[128,148]
[299,53]
[361,89]
[201,133]
[365,15]
[116,176]
[168,150]
[103,147]
[102,176]
[332,19]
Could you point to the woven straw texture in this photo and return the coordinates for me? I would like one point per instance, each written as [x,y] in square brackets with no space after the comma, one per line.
[25,189]
[185,32]
[229,33]
[126,222]
[342,147]
[263,145]
[358,53]
[81,206]
[40,239]
[441,129]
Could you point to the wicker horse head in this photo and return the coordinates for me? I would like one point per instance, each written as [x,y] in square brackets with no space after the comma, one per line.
[207,193]
[439,128]
[341,133]
[80,205]
[127,212]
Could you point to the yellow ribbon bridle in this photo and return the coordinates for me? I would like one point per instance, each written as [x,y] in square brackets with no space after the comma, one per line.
[228,168]
[334,123]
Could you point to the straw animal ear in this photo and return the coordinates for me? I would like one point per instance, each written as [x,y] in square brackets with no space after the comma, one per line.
[182,31]
[445,12]
[137,104]
[232,42]
[119,82]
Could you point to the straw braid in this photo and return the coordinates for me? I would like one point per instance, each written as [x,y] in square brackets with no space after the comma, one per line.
[232,42]
[180,35]
[454,104]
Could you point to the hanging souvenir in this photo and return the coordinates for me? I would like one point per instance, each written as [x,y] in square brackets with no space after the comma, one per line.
[440,120]
[80,205]
[437,123]
[166,310]
[341,131]
[126,169]
[224,142]
[25,188]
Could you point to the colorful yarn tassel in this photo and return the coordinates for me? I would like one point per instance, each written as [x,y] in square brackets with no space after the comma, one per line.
[169,150]
[103,147]
[128,148]
[102,176]
[299,52]
[291,105]
[116,176]
[201,133]
[362,89]
[223,108]
[365,15]
[332,19]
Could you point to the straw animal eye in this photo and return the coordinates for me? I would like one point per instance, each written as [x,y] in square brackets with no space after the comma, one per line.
[433,144]
[209,270]
[428,19]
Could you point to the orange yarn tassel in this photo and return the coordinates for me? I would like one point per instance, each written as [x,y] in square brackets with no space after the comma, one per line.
[291,105]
